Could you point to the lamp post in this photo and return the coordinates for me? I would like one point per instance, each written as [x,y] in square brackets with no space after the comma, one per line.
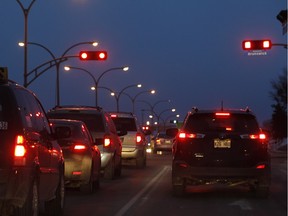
[57,62]
[158,116]
[26,13]
[117,96]
[96,81]
[142,92]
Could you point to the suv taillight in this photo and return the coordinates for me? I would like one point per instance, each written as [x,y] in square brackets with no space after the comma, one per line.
[139,138]
[107,142]
[260,136]
[183,135]
[20,151]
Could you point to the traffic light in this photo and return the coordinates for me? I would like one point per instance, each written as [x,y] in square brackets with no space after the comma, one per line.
[256,44]
[93,55]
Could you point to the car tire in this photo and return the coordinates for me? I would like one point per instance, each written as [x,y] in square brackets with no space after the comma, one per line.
[118,170]
[55,207]
[92,185]
[31,205]
[109,171]
[141,161]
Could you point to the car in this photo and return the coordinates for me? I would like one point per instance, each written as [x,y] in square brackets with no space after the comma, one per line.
[134,143]
[31,160]
[103,132]
[221,147]
[163,141]
[82,157]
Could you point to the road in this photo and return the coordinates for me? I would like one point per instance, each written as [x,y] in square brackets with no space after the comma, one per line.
[144,192]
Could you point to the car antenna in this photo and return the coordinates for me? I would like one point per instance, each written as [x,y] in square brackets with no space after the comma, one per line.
[222,105]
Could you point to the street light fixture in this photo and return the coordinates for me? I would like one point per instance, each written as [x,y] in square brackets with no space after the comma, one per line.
[96,81]
[57,61]
[117,96]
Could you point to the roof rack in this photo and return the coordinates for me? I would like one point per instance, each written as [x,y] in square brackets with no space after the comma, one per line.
[194,109]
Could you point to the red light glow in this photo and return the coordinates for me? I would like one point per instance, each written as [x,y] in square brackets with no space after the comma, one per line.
[222,114]
[79,147]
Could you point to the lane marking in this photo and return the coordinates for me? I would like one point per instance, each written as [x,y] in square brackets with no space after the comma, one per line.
[126,207]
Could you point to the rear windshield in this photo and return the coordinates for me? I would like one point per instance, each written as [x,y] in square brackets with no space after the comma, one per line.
[242,123]
[94,122]
[127,124]
[76,131]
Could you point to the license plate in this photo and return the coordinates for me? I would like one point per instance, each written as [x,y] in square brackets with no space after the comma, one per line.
[222,143]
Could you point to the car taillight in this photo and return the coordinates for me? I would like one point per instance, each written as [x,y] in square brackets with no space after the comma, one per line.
[260,136]
[183,135]
[107,142]
[138,138]
[79,147]
[20,151]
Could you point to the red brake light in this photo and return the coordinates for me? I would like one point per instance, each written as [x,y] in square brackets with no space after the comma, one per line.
[79,147]
[223,114]
[260,136]
[138,138]
[183,135]
[107,142]
[113,115]
[20,151]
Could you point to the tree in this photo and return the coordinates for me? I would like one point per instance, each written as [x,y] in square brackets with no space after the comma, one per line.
[279,115]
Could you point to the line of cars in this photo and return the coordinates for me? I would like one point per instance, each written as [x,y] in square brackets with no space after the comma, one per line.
[73,146]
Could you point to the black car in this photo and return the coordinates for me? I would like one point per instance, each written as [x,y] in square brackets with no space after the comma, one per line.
[221,147]
[82,157]
[31,160]
[103,132]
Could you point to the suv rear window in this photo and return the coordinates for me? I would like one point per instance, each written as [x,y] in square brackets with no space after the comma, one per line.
[127,124]
[209,122]
[94,122]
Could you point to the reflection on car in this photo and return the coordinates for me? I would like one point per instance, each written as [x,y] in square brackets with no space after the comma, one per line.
[82,156]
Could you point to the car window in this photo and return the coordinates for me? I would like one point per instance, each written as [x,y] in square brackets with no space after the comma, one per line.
[241,123]
[33,115]
[94,122]
[127,124]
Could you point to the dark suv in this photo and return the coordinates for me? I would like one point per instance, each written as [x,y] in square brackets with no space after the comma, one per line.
[221,147]
[31,161]
[103,132]
[134,142]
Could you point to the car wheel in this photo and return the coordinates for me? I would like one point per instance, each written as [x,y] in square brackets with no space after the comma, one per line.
[55,207]
[92,185]
[141,161]
[109,171]
[31,205]
[118,170]
[178,188]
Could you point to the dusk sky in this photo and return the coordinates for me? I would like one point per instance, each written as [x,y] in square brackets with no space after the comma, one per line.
[189,51]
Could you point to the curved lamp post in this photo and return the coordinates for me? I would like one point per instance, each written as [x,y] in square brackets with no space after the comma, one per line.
[117,96]
[96,81]
[158,116]
[57,62]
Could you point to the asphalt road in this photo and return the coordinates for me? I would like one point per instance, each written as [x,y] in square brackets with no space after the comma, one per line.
[147,192]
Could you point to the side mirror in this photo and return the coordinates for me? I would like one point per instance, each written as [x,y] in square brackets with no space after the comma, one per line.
[62,132]
[172,132]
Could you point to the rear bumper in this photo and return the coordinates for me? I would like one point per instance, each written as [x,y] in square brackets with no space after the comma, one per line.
[132,152]
[182,172]
[14,186]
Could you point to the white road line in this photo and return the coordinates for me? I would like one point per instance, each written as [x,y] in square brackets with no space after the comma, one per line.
[125,208]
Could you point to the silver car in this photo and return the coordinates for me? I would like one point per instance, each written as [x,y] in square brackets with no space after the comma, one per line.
[134,143]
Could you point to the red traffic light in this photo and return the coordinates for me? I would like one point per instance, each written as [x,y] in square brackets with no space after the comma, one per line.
[256,44]
[93,55]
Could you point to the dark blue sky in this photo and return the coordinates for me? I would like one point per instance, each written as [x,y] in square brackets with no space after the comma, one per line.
[188,51]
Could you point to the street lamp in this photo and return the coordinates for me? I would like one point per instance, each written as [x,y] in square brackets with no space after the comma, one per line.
[57,61]
[26,13]
[96,81]
[158,116]
[152,91]
[117,96]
